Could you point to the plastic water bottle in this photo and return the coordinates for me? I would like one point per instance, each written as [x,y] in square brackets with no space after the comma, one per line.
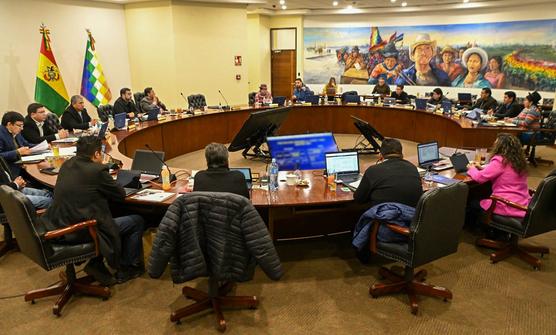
[273,175]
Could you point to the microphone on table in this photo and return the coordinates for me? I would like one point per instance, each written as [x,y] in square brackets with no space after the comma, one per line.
[172,176]
[184,98]
[227,107]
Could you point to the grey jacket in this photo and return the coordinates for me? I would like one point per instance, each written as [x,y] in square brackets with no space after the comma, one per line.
[213,234]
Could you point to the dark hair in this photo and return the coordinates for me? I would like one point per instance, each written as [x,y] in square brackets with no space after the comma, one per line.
[147,90]
[400,86]
[123,90]
[510,94]
[391,147]
[216,155]
[438,91]
[498,60]
[32,108]
[88,145]
[11,117]
[301,80]
[509,147]
[487,90]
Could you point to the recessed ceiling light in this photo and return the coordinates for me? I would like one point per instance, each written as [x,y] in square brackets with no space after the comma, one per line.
[282,2]
[349,7]
[335,3]
[404,4]
[465,1]
[392,1]
[284,7]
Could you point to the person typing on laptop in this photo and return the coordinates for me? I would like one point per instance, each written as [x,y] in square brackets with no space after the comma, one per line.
[218,177]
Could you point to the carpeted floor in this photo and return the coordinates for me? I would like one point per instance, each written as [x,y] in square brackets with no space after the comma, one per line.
[324,291]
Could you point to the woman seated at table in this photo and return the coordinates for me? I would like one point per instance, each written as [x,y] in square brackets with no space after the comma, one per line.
[507,171]
[331,88]
[218,177]
[529,117]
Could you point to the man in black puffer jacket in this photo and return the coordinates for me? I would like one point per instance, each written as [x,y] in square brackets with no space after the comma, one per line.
[220,235]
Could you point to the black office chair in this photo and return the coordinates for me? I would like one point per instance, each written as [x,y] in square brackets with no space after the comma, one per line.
[9,242]
[434,233]
[251,98]
[53,121]
[44,249]
[313,99]
[196,101]
[279,100]
[545,135]
[540,217]
[138,96]
[352,98]
[104,112]
[346,94]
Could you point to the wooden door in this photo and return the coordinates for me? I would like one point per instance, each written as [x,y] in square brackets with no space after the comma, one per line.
[283,66]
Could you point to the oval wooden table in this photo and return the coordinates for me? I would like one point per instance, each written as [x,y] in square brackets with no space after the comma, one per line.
[292,211]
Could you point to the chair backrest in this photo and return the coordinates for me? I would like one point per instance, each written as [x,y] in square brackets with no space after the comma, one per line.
[345,94]
[23,220]
[541,213]
[104,111]
[53,121]
[251,98]
[352,99]
[437,223]
[138,96]
[197,101]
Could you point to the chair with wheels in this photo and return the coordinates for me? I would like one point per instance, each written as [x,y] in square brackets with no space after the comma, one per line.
[544,136]
[433,234]
[540,217]
[45,249]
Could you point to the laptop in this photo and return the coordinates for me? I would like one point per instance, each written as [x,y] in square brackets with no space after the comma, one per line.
[279,100]
[344,164]
[460,162]
[421,104]
[152,114]
[119,121]
[429,157]
[465,98]
[352,98]
[130,181]
[147,162]
[447,107]
[102,131]
[247,174]
[313,99]
[389,101]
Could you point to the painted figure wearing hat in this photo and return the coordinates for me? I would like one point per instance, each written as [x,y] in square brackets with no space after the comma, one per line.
[449,64]
[389,68]
[475,60]
[355,60]
[423,72]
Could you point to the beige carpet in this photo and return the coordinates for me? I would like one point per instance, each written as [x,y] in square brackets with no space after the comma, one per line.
[324,291]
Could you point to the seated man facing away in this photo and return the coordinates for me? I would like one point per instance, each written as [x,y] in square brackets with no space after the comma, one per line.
[75,116]
[125,104]
[151,101]
[12,144]
[400,95]
[39,198]
[83,191]
[391,186]
[218,177]
[36,130]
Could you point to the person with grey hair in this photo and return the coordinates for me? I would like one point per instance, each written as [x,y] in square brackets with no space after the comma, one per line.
[218,177]
[75,116]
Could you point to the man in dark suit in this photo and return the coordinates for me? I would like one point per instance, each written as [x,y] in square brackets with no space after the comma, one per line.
[486,101]
[218,177]
[39,198]
[510,108]
[36,130]
[83,191]
[12,144]
[125,104]
[393,179]
[75,116]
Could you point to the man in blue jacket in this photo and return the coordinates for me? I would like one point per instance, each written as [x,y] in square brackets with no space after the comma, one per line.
[300,91]
[12,143]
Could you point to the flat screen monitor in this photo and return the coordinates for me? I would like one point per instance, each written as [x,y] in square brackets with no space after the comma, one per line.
[257,127]
[464,98]
[304,152]
[346,162]
[147,162]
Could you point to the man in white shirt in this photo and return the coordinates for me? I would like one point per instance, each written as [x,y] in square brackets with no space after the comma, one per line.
[35,130]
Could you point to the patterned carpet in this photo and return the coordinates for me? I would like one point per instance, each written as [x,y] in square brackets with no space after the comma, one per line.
[324,291]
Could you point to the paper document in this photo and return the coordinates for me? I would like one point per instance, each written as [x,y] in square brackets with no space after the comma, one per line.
[40,147]
[32,158]
[152,195]
[355,184]
[66,140]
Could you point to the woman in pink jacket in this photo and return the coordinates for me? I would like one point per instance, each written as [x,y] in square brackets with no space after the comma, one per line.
[507,171]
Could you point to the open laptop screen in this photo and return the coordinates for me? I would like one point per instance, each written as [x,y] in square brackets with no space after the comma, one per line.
[427,153]
[246,173]
[146,162]
[119,120]
[342,162]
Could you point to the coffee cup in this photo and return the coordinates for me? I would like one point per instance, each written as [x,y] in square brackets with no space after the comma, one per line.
[291,179]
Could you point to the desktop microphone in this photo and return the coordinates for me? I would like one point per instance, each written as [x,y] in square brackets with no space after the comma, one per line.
[226,101]
[184,98]
[172,176]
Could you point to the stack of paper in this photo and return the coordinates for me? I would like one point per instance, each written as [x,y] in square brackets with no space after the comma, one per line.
[43,146]
[152,195]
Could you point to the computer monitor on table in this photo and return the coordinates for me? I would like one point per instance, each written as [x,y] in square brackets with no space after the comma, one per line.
[303,152]
[465,98]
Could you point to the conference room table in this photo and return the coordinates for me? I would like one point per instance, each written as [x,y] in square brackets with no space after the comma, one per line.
[291,211]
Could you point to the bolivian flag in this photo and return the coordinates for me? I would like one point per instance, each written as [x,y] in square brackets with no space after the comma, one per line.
[49,87]
[93,83]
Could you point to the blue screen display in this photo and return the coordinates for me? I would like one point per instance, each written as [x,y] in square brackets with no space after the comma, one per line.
[304,152]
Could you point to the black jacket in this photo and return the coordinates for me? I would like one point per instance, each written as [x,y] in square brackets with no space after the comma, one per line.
[121,106]
[404,97]
[485,105]
[71,119]
[31,131]
[508,111]
[213,234]
[83,190]
[394,180]
[221,180]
